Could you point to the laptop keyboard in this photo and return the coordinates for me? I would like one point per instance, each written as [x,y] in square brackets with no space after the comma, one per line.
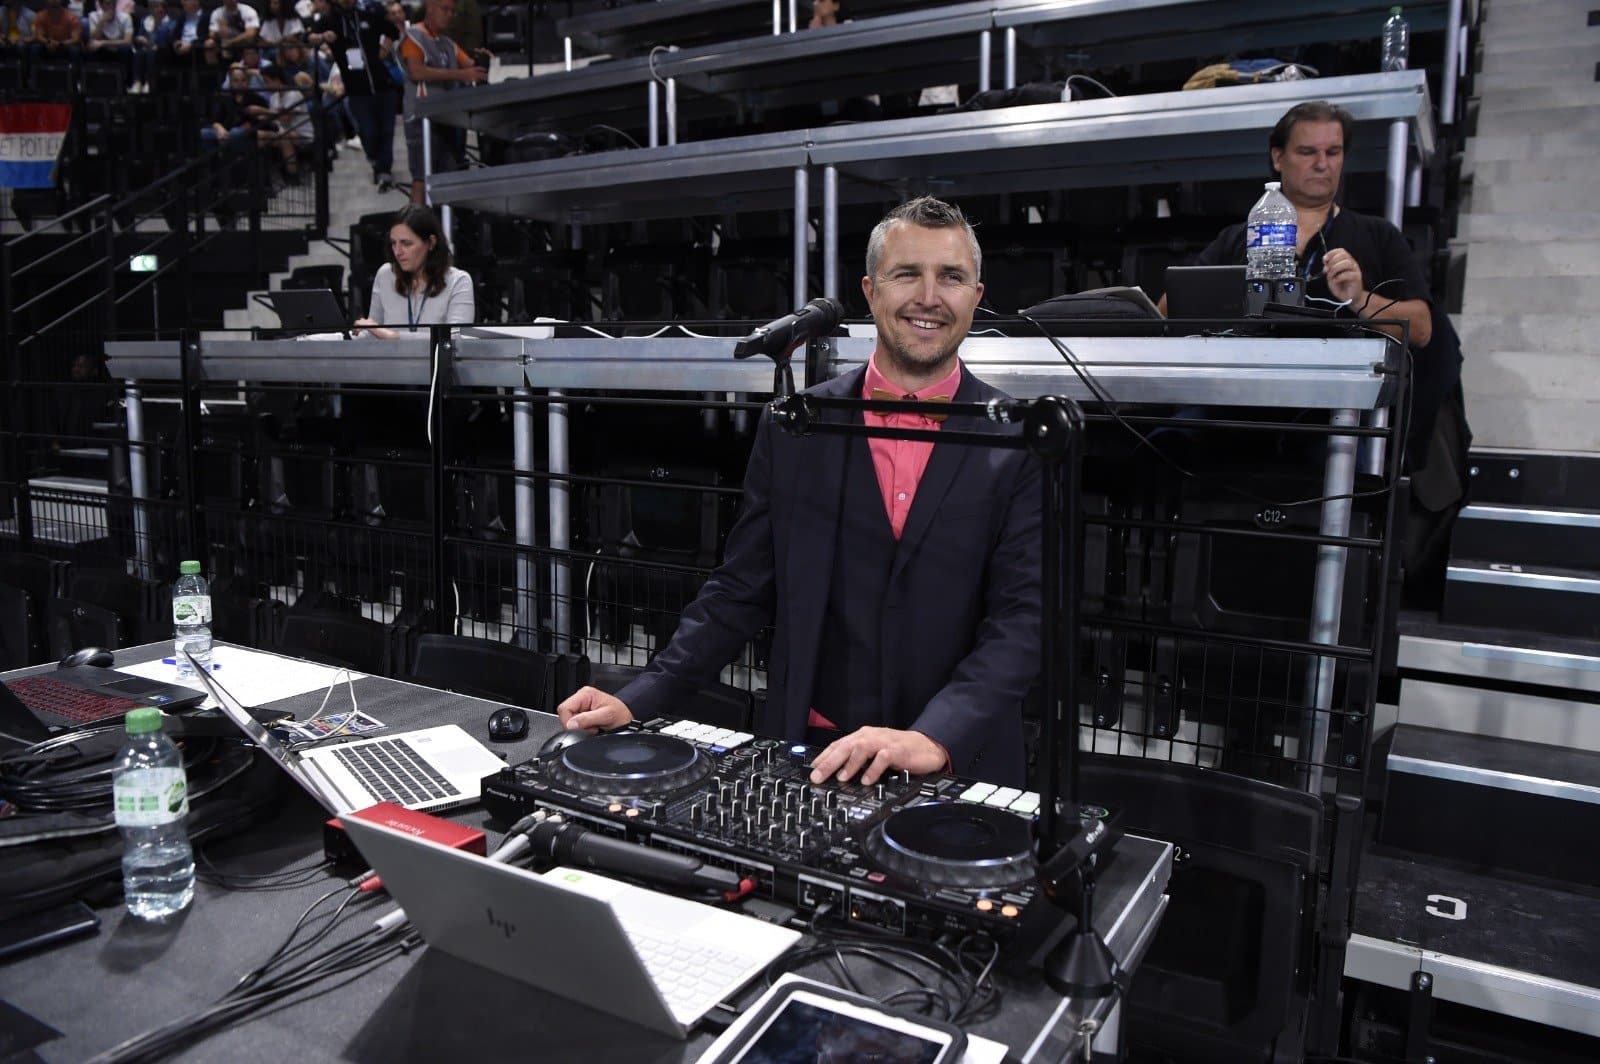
[692,976]
[45,694]
[393,772]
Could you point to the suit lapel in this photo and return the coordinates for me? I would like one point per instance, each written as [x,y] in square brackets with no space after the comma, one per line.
[944,465]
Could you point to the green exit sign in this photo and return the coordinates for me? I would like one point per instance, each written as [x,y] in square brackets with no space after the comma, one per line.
[143,264]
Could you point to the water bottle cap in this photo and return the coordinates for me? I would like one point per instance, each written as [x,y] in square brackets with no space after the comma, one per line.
[1395,10]
[189,568]
[143,720]
[1273,186]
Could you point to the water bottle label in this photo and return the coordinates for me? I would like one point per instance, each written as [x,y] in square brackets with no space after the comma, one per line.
[150,797]
[191,609]
[1272,235]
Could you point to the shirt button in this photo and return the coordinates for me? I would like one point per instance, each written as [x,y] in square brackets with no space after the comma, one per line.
[901,496]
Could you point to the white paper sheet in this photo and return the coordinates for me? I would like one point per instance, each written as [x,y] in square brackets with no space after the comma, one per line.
[253,677]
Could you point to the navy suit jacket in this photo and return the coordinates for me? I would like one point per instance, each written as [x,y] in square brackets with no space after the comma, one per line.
[960,620]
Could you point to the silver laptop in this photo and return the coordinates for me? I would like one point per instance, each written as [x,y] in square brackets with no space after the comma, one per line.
[658,961]
[430,769]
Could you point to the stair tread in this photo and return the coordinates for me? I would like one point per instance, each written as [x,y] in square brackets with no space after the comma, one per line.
[1430,751]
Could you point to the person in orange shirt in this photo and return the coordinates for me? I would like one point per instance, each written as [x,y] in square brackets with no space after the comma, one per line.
[57,33]
[434,63]
[16,27]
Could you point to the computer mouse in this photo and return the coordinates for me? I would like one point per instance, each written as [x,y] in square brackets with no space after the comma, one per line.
[561,740]
[508,724]
[99,657]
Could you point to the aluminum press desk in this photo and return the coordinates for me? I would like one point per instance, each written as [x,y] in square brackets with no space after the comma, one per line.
[1218,133]
[428,1006]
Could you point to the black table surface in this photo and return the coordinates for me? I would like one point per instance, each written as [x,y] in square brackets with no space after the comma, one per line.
[427,1005]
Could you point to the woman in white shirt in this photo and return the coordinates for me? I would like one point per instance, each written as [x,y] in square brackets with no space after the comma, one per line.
[281,24]
[417,286]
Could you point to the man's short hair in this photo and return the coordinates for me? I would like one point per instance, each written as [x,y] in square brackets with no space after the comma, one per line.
[1311,111]
[929,213]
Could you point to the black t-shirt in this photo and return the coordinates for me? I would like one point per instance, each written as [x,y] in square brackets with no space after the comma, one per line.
[1378,248]
[361,26]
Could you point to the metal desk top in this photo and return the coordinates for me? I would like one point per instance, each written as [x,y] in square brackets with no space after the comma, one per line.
[1161,136]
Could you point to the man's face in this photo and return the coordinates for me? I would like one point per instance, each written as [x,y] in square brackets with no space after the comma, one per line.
[290,53]
[1311,163]
[923,295]
[191,7]
[439,14]
[238,79]
[397,14]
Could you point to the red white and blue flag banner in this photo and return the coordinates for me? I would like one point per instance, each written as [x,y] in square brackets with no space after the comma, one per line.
[30,139]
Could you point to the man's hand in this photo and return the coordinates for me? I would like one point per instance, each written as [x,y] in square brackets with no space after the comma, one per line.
[874,751]
[590,708]
[472,75]
[1344,276]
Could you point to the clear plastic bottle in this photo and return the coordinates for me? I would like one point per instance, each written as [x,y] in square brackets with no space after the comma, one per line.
[191,618]
[1269,245]
[151,798]
[1396,41]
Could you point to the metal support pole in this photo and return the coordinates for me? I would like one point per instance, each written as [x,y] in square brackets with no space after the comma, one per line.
[794,16]
[139,479]
[777,18]
[672,110]
[1327,594]
[802,215]
[560,526]
[654,97]
[527,597]
[1414,184]
[1394,180]
[568,47]
[1453,51]
[447,222]
[985,43]
[830,232]
[1011,57]
[427,161]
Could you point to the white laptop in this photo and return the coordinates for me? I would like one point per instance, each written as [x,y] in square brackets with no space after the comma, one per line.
[659,961]
[430,769]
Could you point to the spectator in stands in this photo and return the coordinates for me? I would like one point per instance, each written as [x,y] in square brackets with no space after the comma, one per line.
[152,39]
[16,28]
[309,72]
[902,581]
[389,52]
[238,114]
[57,33]
[281,24]
[824,13]
[111,38]
[417,285]
[192,31]
[434,63]
[234,25]
[250,60]
[290,125]
[355,35]
[1358,262]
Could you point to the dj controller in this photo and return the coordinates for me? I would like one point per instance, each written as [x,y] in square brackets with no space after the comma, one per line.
[921,856]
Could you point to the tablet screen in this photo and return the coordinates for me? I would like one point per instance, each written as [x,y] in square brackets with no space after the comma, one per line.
[806,1033]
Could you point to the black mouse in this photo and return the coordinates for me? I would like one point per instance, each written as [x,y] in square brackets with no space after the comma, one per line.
[561,740]
[508,724]
[99,657]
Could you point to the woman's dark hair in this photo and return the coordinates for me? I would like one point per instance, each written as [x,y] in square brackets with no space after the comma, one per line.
[423,222]
[1313,111]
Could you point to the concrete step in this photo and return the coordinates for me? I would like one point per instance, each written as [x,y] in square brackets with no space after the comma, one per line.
[1502,98]
[1533,424]
[1531,79]
[1547,120]
[1541,196]
[1502,173]
[1556,258]
[1529,226]
[1553,334]
[1522,12]
[1531,374]
[1555,63]
[1502,39]
[1572,144]
[1529,295]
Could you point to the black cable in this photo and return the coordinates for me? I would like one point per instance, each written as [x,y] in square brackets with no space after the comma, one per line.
[285,879]
[1105,400]
[255,973]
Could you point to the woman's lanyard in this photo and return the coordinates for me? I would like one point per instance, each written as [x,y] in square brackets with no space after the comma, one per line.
[411,318]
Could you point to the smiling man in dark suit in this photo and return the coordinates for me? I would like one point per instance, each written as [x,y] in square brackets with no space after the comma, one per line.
[901,577]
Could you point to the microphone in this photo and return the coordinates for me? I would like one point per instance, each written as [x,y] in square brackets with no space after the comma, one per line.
[567,843]
[778,339]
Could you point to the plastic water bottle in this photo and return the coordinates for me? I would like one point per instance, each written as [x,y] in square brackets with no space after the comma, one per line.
[151,797]
[191,618]
[1396,41]
[1269,245]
